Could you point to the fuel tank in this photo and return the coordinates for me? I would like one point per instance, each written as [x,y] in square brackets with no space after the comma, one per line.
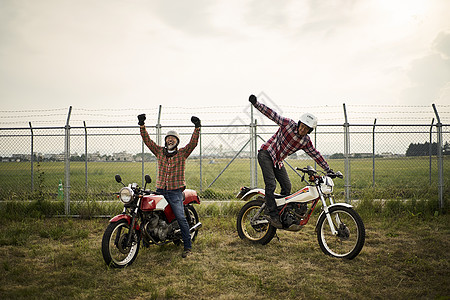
[306,194]
[153,202]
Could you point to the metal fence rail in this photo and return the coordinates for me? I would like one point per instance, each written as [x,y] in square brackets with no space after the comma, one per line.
[75,166]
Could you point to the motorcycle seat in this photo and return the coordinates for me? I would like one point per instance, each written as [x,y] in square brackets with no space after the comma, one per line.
[278,196]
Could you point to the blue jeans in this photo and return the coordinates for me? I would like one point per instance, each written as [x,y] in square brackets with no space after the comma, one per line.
[175,199]
[271,175]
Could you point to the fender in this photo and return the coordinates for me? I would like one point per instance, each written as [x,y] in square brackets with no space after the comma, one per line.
[328,208]
[190,196]
[126,218]
[121,217]
[253,192]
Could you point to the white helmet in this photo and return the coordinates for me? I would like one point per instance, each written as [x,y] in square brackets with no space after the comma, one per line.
[309,120]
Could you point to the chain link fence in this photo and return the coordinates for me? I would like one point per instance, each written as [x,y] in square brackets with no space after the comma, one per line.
[71,169]
[222,163]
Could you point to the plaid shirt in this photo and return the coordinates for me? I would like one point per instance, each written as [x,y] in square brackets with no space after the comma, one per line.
[171,169]
[287,141]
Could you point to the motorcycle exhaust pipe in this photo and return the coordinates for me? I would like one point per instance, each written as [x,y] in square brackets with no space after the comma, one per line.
[195,227]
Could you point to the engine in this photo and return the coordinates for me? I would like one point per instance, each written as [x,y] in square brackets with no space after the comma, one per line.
[157,228]
[292,215]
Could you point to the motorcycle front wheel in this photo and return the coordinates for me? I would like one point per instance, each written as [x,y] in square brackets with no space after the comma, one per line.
[351,233]
[115,251]
[254,227]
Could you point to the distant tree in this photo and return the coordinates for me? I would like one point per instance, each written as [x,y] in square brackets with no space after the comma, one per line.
[76,158]
[337,156]
[446,150]
[421,149]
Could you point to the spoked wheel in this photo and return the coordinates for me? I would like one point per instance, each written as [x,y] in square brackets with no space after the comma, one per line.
[192,219]
[115,251]
[351,233]
[252,225]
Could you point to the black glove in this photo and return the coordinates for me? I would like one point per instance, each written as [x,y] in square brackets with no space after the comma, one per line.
[330,173]
[196,121]
[141,119]
[252,99]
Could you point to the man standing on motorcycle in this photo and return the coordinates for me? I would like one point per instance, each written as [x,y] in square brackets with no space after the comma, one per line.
[171,176]
[290,137]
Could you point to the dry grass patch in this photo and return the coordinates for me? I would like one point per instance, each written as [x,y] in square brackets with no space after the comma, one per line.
[403,258]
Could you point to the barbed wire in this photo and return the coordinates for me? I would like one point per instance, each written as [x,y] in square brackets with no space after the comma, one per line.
[32,110]
[209,114]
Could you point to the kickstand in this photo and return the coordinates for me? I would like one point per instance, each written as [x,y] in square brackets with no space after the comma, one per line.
[278,238]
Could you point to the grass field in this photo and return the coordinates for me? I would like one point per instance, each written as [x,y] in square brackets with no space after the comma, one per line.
[399,178]
[405,257]
[396,177]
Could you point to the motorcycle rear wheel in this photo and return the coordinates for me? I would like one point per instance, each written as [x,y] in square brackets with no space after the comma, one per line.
[192,218]
[114,249]
[254,230]
[351,233]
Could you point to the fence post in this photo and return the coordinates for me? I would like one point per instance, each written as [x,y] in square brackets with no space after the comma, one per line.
[226,167]
[142,162]
[430,149]
[315,146]
[85,158]
[32,158]
[253,180]
[67,164]
[255,151]
[347,156]
[201,174]
[373,153]
[440,161]
[158,134]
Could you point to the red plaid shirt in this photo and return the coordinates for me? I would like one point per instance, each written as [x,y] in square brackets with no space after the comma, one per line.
[287,141]
[171,169]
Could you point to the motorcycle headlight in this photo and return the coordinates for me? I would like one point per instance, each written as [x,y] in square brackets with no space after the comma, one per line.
[327,186]
[126,195]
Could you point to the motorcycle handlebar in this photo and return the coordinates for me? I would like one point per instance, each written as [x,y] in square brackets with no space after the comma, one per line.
[338,174]
[311,172]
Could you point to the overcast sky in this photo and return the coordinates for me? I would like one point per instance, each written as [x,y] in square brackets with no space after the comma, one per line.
[96,54]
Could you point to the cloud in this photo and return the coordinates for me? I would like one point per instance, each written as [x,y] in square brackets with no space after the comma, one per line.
[328,18]
[195,18]
[442,44]
[107,53]
[430,75]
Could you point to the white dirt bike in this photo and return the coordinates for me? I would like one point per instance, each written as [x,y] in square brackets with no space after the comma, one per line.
[340,230]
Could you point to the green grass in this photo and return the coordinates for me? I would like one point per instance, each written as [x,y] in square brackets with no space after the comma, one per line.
[405,257]
[399,178]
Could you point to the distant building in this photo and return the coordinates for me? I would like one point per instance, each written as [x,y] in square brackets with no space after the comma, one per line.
[361,155]
[94,156]
[388,155]
[23,157]
[122,156]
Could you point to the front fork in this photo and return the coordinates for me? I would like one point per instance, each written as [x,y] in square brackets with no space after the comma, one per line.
[327,213]
[132,227]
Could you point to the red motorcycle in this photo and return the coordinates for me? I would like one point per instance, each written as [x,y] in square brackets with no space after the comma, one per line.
[146,217]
